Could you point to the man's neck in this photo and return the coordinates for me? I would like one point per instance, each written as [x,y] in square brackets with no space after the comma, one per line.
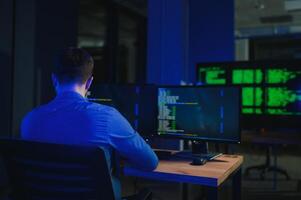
[71,88]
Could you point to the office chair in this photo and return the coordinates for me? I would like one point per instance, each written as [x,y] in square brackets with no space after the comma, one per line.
[42,171]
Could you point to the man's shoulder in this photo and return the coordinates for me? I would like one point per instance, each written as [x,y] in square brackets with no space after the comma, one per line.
[30,118]
[34,113]
[83,106]
[99,107]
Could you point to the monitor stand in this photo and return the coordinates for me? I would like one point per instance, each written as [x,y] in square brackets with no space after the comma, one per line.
[199,149]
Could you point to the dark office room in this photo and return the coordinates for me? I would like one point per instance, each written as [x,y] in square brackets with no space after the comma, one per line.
[150,99]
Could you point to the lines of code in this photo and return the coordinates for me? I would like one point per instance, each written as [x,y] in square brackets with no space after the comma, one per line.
[281,76]
[265,89]
[279,98]
[214,76]
[167,111]
[247,76]
[178,107]
[194,112]
[252,96]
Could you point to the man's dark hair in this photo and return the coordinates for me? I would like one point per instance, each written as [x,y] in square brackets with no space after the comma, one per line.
[73,65]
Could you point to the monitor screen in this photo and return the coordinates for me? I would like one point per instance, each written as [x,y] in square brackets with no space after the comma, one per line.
[271,91]
[199,113]
[136,103]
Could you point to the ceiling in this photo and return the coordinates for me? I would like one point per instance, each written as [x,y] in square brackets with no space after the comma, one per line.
[266,16]
[252,17]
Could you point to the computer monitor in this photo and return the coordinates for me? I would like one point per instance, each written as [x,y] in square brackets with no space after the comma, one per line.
[199,113]
[271,90]
[135,102]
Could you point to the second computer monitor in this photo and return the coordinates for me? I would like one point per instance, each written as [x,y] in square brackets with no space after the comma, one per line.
[137,103]
[199,113]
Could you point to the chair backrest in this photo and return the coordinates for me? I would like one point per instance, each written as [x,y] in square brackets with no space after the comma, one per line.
[55,172]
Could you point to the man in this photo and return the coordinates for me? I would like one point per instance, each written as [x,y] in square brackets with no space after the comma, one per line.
[71,119]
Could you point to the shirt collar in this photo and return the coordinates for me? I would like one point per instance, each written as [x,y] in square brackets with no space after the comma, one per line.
[70,95]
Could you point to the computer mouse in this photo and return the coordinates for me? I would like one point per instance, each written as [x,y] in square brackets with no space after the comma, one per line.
[198,161]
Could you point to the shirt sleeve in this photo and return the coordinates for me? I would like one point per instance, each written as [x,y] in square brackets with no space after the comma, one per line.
[129,144]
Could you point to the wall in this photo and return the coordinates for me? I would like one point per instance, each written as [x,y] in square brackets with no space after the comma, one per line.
[56,28]
[6,63]
[182,33]
[166,41]
[211,32]
[6,67]
[40,33]
[24,69]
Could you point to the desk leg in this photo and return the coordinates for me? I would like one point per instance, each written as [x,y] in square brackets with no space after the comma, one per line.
[236,187]
[185,191]
[212,193]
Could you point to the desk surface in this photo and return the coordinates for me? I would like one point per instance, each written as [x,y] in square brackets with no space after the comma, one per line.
[213,173]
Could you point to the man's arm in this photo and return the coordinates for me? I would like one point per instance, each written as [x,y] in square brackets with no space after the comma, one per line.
[130,144]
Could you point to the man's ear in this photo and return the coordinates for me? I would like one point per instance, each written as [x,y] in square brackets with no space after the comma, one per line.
[89,83]
[54,80]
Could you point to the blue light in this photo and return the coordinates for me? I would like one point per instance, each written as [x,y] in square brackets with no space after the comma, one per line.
[199,83]
[222,93]
[137,89]
[222,112]
[221,127]
[136,109]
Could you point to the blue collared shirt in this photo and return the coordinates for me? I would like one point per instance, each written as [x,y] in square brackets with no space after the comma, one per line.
[72,119]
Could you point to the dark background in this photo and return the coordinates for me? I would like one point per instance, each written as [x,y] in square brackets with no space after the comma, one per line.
[158,42]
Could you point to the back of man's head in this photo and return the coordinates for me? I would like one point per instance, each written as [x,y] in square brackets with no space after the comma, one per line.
[73,65]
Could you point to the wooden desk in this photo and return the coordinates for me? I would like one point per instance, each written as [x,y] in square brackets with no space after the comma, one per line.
[212,174]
